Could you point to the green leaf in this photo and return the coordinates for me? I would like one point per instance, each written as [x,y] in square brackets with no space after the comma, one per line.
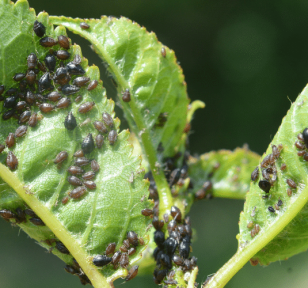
[158,107]
[281,233]
[103,215]
[229,172]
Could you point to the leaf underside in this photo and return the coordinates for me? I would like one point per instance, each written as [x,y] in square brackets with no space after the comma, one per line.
[290,221]
[102,215]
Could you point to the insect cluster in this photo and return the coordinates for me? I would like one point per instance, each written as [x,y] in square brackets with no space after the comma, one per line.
[120,257]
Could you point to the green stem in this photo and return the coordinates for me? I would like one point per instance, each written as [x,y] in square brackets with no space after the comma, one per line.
[97,279]
[139,125]
[192,278]
[243,255]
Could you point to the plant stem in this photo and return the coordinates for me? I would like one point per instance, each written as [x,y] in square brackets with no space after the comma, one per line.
[136,121]
[192,279]
[81,256]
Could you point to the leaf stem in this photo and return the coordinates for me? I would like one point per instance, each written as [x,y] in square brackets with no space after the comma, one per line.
[96,278]
[192,278]
[139,125]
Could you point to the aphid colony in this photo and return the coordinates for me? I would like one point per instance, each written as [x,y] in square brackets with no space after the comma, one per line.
[120,257]
[36,88]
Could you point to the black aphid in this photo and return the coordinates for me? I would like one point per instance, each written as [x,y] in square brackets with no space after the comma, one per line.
[75,170]
[21,105]
[110,248]
[112,137]
[279,203]
[48,42]
[10,102]
[39,28]
[159,238]
[7,214]
[176,213]
[174,176]
[177,260]
[87,144]
[88,175]
[50,62]
[73,180]
[132,238]
[19,76]
[255,174]
[81,81]
[165,260]
[108,119]
[77,59]
[78,192]
[30,213]
[99,139]
[30,98]
[132,273]
[305,136]
[63,55]
[62,156]
[44,83]
[33,120]
[126,96]
[70,89]
[82,161]
[61,72]
[70,122]
[74,69]
[131,251]
[8,114]
[170,245]
[271,209]
[21,131]
[101,260]
[184,249]
[54,96]
[147,212]
[46,107]
[265,185]
[116,257]
[24,117]
[30,77]
[84,25]
[63,42]
[63,103]
[61,248]
[70,269]
[32,61]
[37,221]
[92,85]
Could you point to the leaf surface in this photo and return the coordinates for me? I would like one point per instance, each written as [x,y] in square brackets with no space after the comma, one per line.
[103,215]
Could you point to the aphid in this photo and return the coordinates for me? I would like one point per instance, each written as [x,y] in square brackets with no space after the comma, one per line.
[159,275]
[41,66]
[268,160]
[124,261]
[11,161]
[54,96]
[170,245]
[123,248]
[32,120]
[101,260]
[73,180]
[77,59]
[291,183]
[8,114]
[276,152]
[61,157]
[126,243]
[147,212]
[92,85]
[10,140]
[306,156]
[85,107]
[63,81]
[7,214]
[163,52]
[61,72]
[255,174]
[30,77]
[44,83]
[74,69]
[87,144]
[271,209]
[305,136]
[63,103]
[85,122]
[88,175]
[299,145]
[64,200]
[99,139]
[132,251]
[159,238]
[11,91]
[70,269]
[184,249]
[79,153]
[63,55]
[90,184]
[110,248]
[50,62]
[177,260]
[10,102]
[82,161]
[32,61]
[108,119]
[2,147]
[21,105]
[283,167]
[112,137]
[84,25]
[94,166]
[19,76]
[176,213]
[200,194]
[24,117]
[265,185]
[81,81]
[78,98]
[61,248]
[289,192]
[172,225]
[21,215]
[301,153]
[100,127]
[63,42]
[75,170]
[132,273]
[47,42]
[174,176]
[30,213]
[37,221]
[70,122]
[78,192]
[116,257]
[132,238]
[300,137]
[21,131]
[39,28]
[162,119]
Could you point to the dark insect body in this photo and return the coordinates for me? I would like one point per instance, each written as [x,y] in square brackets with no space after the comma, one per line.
[32,61]
[10,102]
[54,96]
[265,185]
[101,260]
[61,73]
[131,251]
[85,107]
[37,221]
[116,257]
[159,238]
[64,200]
[124,261]
[112,137]
[82,161]
[99,139]
[163,52]
[176,213]
[94,166]
[70,269]
[132,273]
[63,42]
[126,96]
[78,98]
[63,55]
[132,238]
[50,62]
[24,117]
[19,76]
[268,160]
[68,89]
[108,119]
[30,77]
[177,260]
[70,122]
[47,42]
[84,25]
[126,243]
[32,120]
[61,248]
[78,192]
[301,153]
[123,249]
[7,214]
[88,175]
[79,153]
[21,131]
[255,174]
[21,105]
[10,140]
[299,145]
[110,248]
[100,127]
[92,85]
[291,183]
[305,136]
[174,177]
[61,157]
[63,103]
[87,144]
[283,167]
[41,66]
[2,147]
[90,184]
[170,245]
[8,114]
[147,212]
[73,180]
[30,213]
[39,28]
[75,170]
[271,209]
[81,81]
[74,69]
[44,83]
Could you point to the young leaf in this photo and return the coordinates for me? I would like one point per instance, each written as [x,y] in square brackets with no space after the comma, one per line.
[273,225]
[157,110]
[229,172]
[85,225]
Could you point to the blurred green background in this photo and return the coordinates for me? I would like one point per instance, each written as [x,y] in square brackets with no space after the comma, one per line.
[247,60]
